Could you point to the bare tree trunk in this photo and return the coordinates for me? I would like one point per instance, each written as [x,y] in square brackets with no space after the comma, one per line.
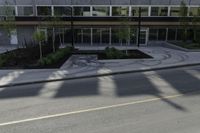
[40,45]
[126,47]
[53,40]
[60,38]
[63,37]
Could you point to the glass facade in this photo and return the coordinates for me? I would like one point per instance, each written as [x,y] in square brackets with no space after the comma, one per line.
[175,11]
[7,11]
[101,32]
[162,34]
[100,11]
[194,11]
[171,34]
[44,11]
[62,11]
[159,11]
[86,36]
[25,10]
[81,11]
[114,36]
[144,11]
[120,11]
[153,34]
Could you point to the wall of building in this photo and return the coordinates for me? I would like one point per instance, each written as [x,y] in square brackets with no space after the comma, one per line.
[4,39]
[25,34]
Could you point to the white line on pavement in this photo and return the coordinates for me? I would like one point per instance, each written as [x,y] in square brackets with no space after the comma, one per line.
[89,110]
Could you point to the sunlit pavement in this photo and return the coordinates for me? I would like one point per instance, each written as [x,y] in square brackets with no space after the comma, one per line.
[164,101]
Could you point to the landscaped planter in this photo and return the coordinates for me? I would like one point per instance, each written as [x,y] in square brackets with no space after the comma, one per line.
[29,59]
[104,55]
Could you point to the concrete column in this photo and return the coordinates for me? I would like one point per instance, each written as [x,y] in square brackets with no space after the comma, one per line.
[52,11]
[169,9]
[110,11]
[130,10]
[166,34]
[110,36]
[91,10]
[149,12]
[16,11]
[91,36]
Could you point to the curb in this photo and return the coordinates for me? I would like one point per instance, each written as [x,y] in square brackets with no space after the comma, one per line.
[97,75]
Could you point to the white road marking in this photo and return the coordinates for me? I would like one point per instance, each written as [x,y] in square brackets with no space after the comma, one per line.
[10,77]
[160,83]
[107,85]
[194,73]
[50,89]
[88,110]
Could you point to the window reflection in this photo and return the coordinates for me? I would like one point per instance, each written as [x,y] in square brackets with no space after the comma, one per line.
[120,11]
[82,11]
[175,11]
[144,11]
[195,11]
[159,11]
[44,11]
[101,11]
[25,11]
[62,11]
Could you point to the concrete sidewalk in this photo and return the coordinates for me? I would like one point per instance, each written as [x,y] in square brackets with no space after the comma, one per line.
[89,66]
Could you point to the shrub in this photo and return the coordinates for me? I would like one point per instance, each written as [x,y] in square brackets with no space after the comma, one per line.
[113,53]
[55,57]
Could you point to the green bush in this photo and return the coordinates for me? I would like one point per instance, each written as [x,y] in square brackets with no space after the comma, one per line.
[113,53]
[55,57]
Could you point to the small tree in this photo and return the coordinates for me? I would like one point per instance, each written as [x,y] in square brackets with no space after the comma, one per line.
[183,19]
[124,33]
[39,37]
[55,21]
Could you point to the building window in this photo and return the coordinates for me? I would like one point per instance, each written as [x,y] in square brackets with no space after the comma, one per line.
[171,34]
[87,36]
[153,34]
[44,11]
[195,11]
[78,36]
[7,10]
[180,34]
[120,11]
[100,11]
[105,35]
[25,11]
[144,11]
[115,36]
[175,11]
[159,11]
[161,34]
[62,11]
[82,11]
[133,36]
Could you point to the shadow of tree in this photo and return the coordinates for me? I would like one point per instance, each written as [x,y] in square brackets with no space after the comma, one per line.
[126,85]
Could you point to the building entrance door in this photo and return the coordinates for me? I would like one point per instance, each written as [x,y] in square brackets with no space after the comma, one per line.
[143,37]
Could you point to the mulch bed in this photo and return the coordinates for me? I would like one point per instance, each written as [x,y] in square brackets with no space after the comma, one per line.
[132,54]
[22,61]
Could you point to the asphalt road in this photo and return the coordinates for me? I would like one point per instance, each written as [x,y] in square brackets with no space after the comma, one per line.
[165,101]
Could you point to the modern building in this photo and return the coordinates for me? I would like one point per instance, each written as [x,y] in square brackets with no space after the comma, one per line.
[96,22]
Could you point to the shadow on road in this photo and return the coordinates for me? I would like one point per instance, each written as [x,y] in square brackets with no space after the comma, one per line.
[129,85]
